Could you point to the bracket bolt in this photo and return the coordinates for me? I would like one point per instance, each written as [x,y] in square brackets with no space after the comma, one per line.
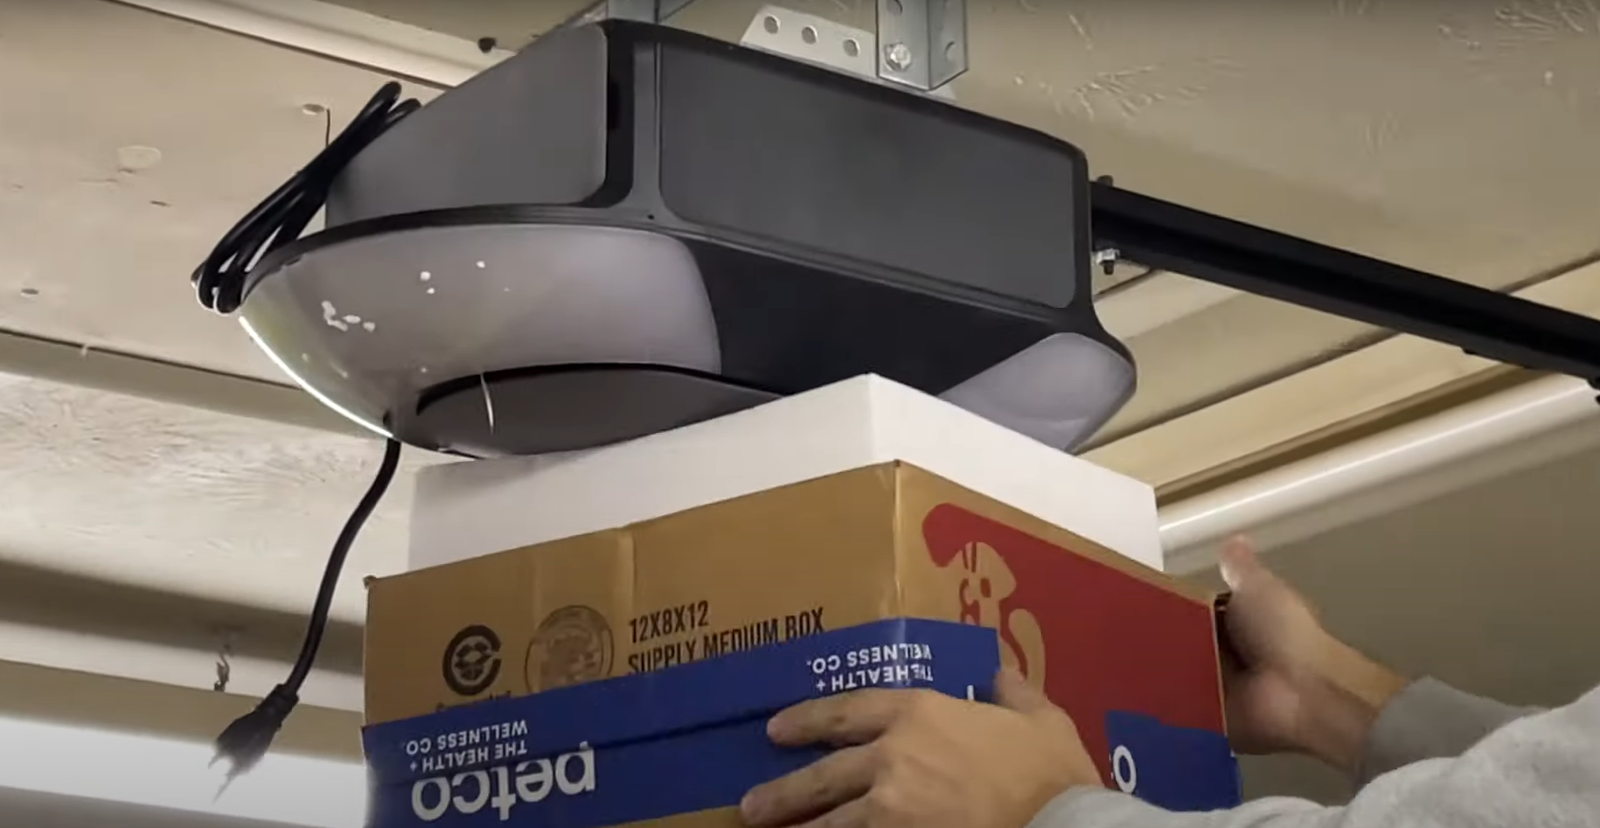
[1106,258]
[898,56]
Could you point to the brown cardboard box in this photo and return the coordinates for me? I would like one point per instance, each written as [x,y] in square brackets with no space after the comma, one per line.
[1096,630]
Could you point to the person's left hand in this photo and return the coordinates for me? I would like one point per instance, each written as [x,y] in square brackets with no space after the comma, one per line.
[920,759]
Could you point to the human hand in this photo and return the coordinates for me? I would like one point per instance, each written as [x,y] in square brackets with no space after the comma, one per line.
[920,759]
[1279,646]
[1295,687]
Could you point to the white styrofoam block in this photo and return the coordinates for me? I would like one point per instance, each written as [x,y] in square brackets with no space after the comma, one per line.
[462,510]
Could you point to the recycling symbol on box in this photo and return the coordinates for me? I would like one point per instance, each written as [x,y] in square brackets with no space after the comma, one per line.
[472,660]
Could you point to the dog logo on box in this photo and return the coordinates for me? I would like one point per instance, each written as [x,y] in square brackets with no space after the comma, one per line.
[573,645]
[984,585]
[472,660]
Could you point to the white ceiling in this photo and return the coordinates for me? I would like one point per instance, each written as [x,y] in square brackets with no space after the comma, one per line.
[130,143]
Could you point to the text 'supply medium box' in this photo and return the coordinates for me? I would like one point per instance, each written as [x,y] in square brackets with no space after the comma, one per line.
[1130,653]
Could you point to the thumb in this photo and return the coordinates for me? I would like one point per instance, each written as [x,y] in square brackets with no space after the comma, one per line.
[1239,562]
[1013,692]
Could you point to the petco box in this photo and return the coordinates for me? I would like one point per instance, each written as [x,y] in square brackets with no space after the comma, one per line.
[681,746]
[1097,631]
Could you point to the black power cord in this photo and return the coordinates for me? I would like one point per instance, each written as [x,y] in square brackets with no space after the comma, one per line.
[245,741]
[220,280]
[219,284]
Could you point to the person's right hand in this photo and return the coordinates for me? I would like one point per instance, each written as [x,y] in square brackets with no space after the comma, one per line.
[1295,687]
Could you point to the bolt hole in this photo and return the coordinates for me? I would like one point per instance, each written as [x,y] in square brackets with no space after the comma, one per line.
[313,109]
[30,292]
[851,47]
[809,35]
[770,24]
[894,7]
[487,44]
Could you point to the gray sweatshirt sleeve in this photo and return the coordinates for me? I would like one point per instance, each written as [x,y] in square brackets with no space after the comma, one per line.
[1431,720]
[1541,769]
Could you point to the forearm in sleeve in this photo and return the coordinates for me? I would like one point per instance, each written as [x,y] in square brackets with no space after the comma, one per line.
[1537,770]
[1430,720]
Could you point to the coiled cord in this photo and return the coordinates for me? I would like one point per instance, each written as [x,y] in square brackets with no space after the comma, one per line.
[279,219]
[219,284]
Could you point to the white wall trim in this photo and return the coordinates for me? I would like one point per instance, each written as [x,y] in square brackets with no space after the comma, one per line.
[1387,472]
[337,32]
[164,773]
[167,664]
[1317,398]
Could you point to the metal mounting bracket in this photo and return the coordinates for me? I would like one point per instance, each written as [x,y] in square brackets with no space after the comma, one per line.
[818,40]
[922,43]
[919,43]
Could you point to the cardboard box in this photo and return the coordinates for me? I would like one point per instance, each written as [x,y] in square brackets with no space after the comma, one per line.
[462,510]
[680,747]
[1098,632]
